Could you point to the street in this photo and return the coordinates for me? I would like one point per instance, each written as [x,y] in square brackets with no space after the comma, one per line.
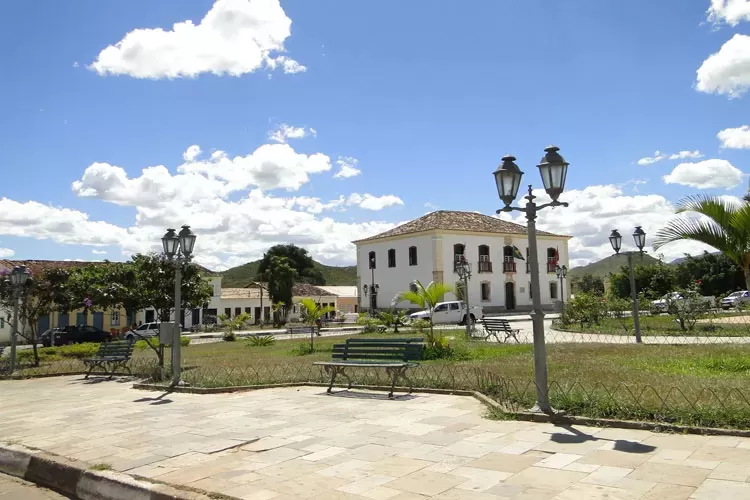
[12,488]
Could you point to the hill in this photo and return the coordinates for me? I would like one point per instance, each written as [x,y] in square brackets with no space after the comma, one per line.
[611,264]
[240,276]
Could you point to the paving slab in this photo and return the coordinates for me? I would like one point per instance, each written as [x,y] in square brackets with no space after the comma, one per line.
[299,442]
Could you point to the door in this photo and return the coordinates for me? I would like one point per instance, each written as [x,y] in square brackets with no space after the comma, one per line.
[99,320]
[441,314]
[267,313]
[63,320]
[455,313]
[42,324]
[510,296]
[80,318]
[150,314]
[196,320]
[256,316]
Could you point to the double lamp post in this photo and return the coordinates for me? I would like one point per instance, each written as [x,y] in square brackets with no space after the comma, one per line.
[18,278]
[463,268]
[553,170]
[639,237]
[373,288]
[178,248]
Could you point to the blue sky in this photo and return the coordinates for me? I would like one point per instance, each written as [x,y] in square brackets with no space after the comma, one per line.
[422,97]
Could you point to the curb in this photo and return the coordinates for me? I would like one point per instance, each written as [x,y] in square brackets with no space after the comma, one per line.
[73,478]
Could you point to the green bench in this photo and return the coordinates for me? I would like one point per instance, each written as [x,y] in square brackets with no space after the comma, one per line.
[112,355]
[297,330]
[494,327]
[396,355]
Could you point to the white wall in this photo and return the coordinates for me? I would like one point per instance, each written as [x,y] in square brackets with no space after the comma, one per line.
[394,280]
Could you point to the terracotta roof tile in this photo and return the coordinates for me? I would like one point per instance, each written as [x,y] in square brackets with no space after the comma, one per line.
[451,220]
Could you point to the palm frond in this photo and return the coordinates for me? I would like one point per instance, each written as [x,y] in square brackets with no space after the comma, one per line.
[413,297]
[717,208]
[703,230]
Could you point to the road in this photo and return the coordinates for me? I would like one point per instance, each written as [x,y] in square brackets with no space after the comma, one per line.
[12,488]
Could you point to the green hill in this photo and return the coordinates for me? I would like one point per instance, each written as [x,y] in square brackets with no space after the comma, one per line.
[240,276]
[611,264]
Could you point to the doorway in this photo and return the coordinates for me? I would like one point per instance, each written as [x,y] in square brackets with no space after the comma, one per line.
[510,296]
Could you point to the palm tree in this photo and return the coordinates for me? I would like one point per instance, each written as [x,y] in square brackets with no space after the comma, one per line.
[723,224]
[426,298]
[312,313]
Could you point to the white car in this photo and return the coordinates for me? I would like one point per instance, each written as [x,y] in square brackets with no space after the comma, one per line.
[733,299]
[448,312]
[675,299]
[146,330]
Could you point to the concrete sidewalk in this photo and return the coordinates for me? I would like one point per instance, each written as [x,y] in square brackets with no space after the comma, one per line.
[12,488]
[301,443]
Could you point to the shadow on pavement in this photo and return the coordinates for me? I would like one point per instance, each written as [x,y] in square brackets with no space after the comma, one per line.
[367,395]
[578,437]
[159,400]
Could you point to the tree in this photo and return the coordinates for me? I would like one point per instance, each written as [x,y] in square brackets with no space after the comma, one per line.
[717,274]
[232,324]
[722,224]
[280,280]
[426,298]
[587,283]
[298,259]
[312,314]
[652,280]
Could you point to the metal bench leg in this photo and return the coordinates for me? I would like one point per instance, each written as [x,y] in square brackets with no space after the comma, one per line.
[343,372]
[333,371]
[94,364]
[515,336]
[408,380]
[395,373]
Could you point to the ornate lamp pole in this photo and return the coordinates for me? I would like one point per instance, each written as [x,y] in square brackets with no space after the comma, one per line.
[178,248]
[463,269]
[561,273]
[18,278]
[615,239]
[553,169]
[372,288]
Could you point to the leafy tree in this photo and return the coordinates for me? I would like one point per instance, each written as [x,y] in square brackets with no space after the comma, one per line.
[653,280]
[717,274]
[585,308]
[312,314]
[281,276]
[426,298]
[297,258]
[279,313]
[394,318]
[587,283]
[723,224]
[233,324]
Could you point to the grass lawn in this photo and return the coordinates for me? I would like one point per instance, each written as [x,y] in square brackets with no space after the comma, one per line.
[691,384]
[713,325]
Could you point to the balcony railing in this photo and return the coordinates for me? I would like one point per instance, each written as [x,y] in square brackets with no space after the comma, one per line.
[551,266]
[485,267]
[509,265]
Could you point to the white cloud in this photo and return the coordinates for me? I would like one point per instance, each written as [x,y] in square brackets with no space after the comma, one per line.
[682,155]
[728,70]
[347,167]
[235,37]
[729,11]
[706,174]
[6,253]
[650,160]
[285,132]
[191,153]
[735,138]
[99,252]
[370,202]
[595,210]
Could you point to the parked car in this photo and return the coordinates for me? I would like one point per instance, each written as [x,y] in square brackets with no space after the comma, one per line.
[676,299]
[81,333]
[146,330]
[53,336]
[733,299]
[449,312]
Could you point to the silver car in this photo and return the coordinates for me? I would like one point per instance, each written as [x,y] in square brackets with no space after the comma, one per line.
[735,298]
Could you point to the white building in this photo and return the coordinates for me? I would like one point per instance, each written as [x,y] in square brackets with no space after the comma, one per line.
[426,249]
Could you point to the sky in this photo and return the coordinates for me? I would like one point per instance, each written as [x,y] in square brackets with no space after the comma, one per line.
[260,122]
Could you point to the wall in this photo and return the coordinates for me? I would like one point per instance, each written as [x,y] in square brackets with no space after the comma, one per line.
[395,280]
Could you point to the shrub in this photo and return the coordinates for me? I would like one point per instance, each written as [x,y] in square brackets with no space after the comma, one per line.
[229,336]
[85,350]
[302,349]
[144,344]
[185,341]
[45,354]
[420,325]
[370,324]
[262,340]
[586,308]
[440,348]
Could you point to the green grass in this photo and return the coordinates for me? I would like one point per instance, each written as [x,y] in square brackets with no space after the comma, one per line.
[704,385]
[101,467]
[713,325]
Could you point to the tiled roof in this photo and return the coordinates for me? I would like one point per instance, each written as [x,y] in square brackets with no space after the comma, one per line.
[242,293]
[342,291]
[307,290]
[451,220]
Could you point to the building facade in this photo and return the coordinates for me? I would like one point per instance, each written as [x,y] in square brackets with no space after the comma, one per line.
[427,249]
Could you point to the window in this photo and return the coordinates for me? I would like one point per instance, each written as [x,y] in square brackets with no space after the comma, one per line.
[552,259]
[391,258]
[150,316]
[249,310]
[228,312]
[412,256]
[531,295]
[485,266]
[485,290]
[454,306]
[553,291]
[237,311]
[441,307]
[142,327]
[509,260]
[371,258]
[458,254]
[114,319]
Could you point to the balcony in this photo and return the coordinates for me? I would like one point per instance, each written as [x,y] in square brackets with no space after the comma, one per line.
[551,266]
[528,267]
[485,266]
[509,265]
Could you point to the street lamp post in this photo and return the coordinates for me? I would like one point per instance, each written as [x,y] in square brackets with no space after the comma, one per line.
[639,237]
[178,248]
[373,288]
[463,268]
[18,278]
[562,272]
[553,169]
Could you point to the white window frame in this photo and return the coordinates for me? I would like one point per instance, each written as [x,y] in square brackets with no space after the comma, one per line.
[114,318]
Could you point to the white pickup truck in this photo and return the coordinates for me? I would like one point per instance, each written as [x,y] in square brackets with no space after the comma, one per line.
[676,299]
[449,312]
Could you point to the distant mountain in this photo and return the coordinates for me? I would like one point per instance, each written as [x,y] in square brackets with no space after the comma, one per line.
[680,260]
[240,276]
[611,264]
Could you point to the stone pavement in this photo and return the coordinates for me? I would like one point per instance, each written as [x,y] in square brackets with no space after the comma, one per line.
[298,442]
[12,488]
